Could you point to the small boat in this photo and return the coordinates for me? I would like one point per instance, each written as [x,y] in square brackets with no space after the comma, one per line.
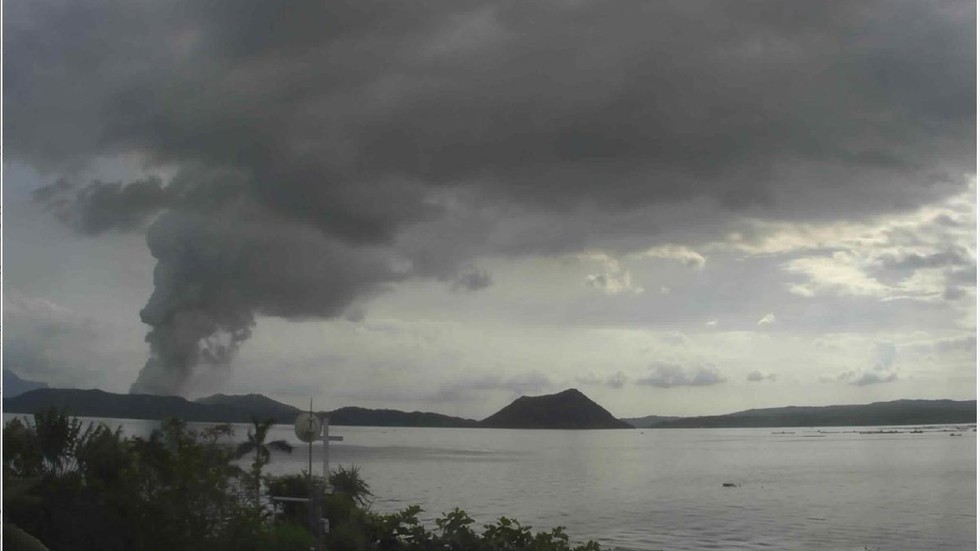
[730,485]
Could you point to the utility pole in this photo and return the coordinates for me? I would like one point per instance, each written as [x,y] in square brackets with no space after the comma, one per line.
[326,448]
[314,499]
[308,428]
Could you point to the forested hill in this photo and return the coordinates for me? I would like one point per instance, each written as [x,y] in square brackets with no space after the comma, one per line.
[649,421]
[98,403]
[218,408]
[394,418]
[898,412]
[566,410]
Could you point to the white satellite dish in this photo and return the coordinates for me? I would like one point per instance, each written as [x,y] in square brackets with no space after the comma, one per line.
[307,427]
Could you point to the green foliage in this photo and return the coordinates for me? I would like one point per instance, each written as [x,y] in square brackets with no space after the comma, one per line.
[52,446]
[186,491]
[57,438]
[263,452]
[15,539]
[22,454]
[350,496]
[86,488]
[456,531]
[295,485]
[285,537]
[57,472]
[348,481]
[102,456]
[402,531]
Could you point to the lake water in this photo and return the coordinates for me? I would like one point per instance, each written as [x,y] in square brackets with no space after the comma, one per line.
[835,489]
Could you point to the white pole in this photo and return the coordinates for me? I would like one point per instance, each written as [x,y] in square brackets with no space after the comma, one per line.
[326,450]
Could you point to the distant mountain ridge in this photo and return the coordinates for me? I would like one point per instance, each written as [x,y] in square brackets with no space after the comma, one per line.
[218,408]
[393,418]
[569,409]
[647,422]
[258,405]
[897,412]
[566,410]
[13,385]
[98,403]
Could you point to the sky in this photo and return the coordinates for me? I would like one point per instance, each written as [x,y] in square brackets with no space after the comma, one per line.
[677,207]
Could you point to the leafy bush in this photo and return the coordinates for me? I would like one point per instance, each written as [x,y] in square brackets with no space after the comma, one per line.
[402,531]
[87,488]
[263,452]
[348,481]
[285,537]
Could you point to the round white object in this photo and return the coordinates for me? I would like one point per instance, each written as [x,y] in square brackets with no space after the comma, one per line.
[307,427]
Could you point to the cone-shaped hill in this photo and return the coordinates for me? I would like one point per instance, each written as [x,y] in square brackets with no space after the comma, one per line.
[569,409]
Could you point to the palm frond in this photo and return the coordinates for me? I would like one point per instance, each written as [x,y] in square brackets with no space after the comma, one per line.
[244,449]
[262,428]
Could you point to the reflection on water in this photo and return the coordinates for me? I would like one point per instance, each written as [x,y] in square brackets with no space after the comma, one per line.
[664,489]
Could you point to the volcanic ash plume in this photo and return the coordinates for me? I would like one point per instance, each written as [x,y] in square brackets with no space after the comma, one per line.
[214,273]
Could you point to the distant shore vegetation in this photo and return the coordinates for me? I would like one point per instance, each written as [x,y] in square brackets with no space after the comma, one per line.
[72,486]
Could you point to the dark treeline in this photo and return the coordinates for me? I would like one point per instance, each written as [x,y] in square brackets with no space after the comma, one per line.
[565,410]
[898,412]
[569,409]
[70,486]
[213,409]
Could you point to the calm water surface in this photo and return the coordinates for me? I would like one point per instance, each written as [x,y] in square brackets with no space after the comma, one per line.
[662,489]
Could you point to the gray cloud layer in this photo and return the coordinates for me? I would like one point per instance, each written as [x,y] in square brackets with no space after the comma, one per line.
[324,151]
[758,376]
[666,375]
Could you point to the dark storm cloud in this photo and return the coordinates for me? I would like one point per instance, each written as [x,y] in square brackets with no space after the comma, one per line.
[618,104]
[472,279]
[348,120]
[101,206]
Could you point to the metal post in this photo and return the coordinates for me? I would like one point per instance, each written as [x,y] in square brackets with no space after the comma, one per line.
[314,520]
[308,428]
[318,501]
[326,450]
